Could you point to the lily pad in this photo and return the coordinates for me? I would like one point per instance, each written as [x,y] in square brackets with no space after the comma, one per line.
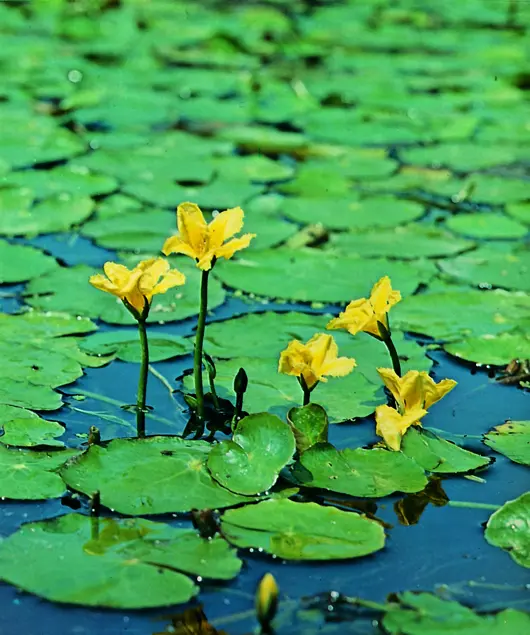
[73,179]
[452,315]
[251,461]
[511,439]
[19,263]
[507,528]
[155,475]
[122,553]
[486,225]
[31,475]
[439,456]
[404,243]
[520,212]
[345,211]
[310,275]
[364,473]
[37,359]
[309,425]
[125,345]
[463,157]
[497,350]
[139,231]
[487,267]
[265,335]
[302,531]
[54,214]
[68,290]
[343,398]
[426,614]
[24,428]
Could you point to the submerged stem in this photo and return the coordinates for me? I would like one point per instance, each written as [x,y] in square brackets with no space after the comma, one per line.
[471,505]
[142,382]
[197,358]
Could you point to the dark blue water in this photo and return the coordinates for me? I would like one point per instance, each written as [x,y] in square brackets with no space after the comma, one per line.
[446,547]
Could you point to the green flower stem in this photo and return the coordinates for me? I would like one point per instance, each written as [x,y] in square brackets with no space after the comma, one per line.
[396,364]
[306,390]
[387,340]
[142,382]
[197,358]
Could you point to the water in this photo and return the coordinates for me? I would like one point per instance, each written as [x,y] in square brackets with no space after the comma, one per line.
[446,547]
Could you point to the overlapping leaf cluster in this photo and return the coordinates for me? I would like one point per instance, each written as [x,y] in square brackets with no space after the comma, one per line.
[361,141]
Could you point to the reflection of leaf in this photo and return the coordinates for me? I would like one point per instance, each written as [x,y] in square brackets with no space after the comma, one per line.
[191,622]
[410,508]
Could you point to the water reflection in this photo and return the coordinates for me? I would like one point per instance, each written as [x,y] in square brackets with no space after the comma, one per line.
[410,508]
[191,622]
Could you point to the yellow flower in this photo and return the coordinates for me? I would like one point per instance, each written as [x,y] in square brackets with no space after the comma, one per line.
[414,393]
[363,314]
[416,389]
[203,241]
[266,599]
[391,425]
[314,360]
[138,285]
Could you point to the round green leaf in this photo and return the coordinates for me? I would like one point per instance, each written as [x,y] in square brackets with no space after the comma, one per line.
[155,475]
[30,475]
[24,428]
[486,225]
[122,554]
[487,267]
[426,614]
[511,439]
[507,528]
[125,345]
[19,263]
[495,350]
[268,391]
[439,456]
[73,179]
[461,313]
[309,425]
[249,464]
[302,531]
[463,157]
[314,276]
[341,213]
[364,473]
[68,290]
[405,243]
[520,212]
[54,214]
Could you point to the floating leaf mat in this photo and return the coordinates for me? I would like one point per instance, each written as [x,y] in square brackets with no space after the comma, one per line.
[361,140]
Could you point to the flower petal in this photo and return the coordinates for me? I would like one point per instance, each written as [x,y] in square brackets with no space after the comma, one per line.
[339,367]
[356,318]
[434,392]
[175,245]
[224,226]
[173,278]
[392,381]
[101,282]
[383,297]
[392,426]
[236,244]
[192,227]
[117,274]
